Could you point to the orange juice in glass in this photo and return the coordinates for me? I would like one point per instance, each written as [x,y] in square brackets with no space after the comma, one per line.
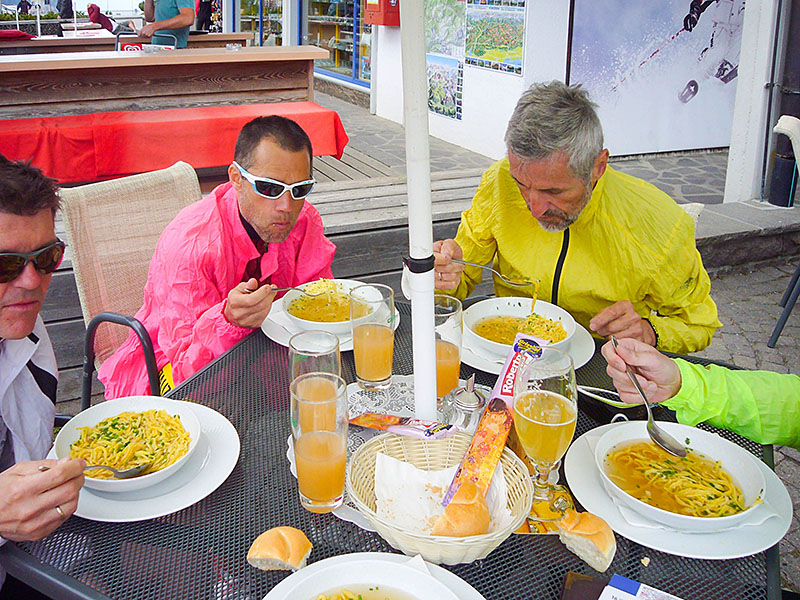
[319,433]
[372,317]
[447,324]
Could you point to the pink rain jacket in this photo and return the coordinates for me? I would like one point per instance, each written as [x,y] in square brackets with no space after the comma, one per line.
[200,257]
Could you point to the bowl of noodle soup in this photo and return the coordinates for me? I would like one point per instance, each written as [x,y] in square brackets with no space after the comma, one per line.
[501,318]
[126,430]
[330,311]
[716,487]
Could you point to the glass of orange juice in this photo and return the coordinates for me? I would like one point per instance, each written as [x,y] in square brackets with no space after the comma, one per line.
[545,414]
[319,433]
[372,317]
[314,350]
[448,327]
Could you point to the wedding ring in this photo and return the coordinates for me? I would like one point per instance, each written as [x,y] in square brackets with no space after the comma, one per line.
[60,512]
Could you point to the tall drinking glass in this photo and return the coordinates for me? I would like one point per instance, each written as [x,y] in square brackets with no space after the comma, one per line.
[372,318]
[319,433]
[545,413]
[448,327]
[314,350]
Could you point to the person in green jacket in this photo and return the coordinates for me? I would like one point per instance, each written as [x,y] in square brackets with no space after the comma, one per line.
[760,405]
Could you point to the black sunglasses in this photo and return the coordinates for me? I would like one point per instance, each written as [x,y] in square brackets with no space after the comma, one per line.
[45,260]
[274,189]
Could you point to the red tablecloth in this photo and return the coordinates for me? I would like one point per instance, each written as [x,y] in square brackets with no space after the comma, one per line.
[107,145]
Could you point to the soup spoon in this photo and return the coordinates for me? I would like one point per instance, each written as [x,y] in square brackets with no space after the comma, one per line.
[524,283]
[286,289]
[658,435]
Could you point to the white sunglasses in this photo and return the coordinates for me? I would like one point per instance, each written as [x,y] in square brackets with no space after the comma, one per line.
[273,189]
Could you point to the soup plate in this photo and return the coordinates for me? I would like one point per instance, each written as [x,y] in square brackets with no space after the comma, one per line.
[740,464]
[335,327]
[340,572]
[510,306]
[110,408]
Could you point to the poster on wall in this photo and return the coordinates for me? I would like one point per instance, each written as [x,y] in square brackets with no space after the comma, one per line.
[445,26]
[495,35]
[445,84]
[663,73]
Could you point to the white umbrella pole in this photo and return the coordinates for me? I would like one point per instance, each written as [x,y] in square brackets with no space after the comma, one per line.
[420,222]
[18,18]
[38,20]
[74,19]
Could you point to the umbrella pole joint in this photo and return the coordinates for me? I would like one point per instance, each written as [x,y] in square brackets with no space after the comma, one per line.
[419,265]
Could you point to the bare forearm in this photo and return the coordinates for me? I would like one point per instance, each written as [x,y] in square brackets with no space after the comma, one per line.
[184,19]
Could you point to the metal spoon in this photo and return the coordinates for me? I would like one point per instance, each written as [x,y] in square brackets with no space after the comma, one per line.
[123,473]
[506,279]
[658,435]
[286,289]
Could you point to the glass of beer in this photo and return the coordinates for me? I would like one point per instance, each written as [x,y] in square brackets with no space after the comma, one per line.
[319,433]
[448,328]
[372,318]
[545,414]
[314,351]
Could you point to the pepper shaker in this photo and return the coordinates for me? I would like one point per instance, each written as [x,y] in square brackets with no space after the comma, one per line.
[467,404]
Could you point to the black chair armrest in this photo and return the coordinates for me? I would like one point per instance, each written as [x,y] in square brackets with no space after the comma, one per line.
[88,352]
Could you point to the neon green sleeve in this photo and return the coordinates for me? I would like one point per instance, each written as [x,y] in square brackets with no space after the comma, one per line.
[760,405]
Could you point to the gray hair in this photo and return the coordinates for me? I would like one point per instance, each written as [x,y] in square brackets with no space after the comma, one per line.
[554,117]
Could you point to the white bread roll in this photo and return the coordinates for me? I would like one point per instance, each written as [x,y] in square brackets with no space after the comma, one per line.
[589,537]
[467,513]
[280,548]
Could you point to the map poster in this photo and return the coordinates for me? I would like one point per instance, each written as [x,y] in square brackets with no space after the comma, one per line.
[444,27]
[495,35]
[445,81]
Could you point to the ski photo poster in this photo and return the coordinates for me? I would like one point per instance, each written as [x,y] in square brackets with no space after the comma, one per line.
[662,73]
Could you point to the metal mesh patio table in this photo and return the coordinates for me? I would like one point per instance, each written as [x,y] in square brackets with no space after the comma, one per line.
[199,552]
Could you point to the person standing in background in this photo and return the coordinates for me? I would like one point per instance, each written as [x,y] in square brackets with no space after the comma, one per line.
[168,16]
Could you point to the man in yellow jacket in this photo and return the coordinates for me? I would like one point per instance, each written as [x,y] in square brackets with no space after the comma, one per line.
[613,250]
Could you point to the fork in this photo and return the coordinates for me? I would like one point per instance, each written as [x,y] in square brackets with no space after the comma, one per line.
[510,282]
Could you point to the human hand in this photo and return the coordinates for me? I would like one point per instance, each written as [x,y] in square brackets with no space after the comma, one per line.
[659,376]
[148,30]
[448,273]
[29,497]
[248,305]
[623,321]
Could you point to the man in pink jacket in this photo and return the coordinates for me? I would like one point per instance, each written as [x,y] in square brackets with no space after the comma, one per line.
[213,276]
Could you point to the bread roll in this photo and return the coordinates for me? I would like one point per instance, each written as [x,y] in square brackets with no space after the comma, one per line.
[589,537]
[467,513]
[280,548]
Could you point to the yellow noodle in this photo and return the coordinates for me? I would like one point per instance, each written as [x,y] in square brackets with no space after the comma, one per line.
[131,439]
[694,485]
[503,328]
[331,305]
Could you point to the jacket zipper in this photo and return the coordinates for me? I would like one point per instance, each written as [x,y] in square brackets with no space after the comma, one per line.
[559,266]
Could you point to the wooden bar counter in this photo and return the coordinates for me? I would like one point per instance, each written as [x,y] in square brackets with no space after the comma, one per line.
[47,85]
[99,43]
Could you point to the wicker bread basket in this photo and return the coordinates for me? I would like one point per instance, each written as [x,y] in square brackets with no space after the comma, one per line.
[430,456]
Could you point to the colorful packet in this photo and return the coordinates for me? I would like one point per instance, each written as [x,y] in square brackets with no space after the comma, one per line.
[483,454]
[427,430]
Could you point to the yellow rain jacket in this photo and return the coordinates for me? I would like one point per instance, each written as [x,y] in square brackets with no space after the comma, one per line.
[631,242]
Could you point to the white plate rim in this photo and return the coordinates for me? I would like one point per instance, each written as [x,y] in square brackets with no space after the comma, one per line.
[280,335]
[581,349]
[456,584]
[586,485]
[213,468]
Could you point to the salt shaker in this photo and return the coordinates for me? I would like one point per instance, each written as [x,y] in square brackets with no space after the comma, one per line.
[467,405]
